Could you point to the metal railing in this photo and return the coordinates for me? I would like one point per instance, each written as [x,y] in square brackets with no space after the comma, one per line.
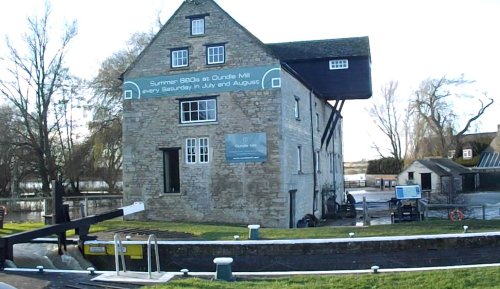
[152,237]
[119,254]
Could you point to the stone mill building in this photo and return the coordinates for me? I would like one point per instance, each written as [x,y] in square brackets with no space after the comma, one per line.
[220,127]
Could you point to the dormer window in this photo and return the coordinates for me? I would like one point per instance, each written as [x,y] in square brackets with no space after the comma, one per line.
[197,26]
[339,64]
[467,153]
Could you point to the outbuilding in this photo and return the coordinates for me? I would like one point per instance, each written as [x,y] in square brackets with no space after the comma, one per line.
[441,179]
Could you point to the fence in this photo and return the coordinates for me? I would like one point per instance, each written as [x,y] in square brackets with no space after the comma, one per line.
[355,184]
[469,211]
[79,206]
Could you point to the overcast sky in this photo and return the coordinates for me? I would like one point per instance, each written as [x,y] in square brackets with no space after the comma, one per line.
[409,40]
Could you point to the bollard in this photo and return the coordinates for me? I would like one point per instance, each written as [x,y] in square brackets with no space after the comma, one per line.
[40,269]
[185,273]
[223,269]
[253,233]
[91,270]
[351,235]
[375,269]
[236,237]
[466,228]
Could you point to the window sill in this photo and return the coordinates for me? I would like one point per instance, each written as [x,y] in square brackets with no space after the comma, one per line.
[171,194]
[180,68]
[199,123]
[216,65]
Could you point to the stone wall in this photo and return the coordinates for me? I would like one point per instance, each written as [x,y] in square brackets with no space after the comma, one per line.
[218,191]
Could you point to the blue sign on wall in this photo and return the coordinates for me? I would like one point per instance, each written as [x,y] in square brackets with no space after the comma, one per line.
[408,192]
[203,82]
[246,147]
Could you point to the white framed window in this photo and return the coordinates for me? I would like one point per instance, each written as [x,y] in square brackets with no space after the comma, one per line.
[331,158]
[339,64]
[203,150]
[299,159]
[216,54]
[191,151]
[317,121]
[317,162]
[180,58]
[467,153]
[296,108]
[196,111]
[197,151]
[198,26]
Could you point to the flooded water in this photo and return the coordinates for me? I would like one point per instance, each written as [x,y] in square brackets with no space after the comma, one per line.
[34,211]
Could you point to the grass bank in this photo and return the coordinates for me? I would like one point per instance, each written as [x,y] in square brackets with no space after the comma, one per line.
[226,232]
[442,279]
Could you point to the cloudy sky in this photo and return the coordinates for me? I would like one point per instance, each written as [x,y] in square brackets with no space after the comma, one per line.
[410,41]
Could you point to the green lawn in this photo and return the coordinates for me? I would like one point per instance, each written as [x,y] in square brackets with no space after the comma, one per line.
[226,232]
[440,279]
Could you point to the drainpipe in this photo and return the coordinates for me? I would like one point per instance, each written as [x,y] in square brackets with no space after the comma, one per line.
[315,176]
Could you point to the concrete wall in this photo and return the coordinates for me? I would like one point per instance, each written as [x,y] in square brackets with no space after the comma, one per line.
[325,254]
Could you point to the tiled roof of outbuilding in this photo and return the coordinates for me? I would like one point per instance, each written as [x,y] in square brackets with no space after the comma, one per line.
[443,166]
[318,49]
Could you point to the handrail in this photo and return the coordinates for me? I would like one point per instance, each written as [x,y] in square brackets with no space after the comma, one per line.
[119,250]
[152,236]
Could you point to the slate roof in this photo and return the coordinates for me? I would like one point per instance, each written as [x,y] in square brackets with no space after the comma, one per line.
[444,167]
[320,49]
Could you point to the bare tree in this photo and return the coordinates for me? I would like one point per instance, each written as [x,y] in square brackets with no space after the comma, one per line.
[106,127]
[390,120]
[68,110]
[34,80]
[433,103]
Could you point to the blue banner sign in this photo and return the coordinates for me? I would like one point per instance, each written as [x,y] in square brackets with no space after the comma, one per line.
[203,82]
[246,147]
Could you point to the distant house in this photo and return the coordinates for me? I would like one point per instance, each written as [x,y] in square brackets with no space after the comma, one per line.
[490,158]
[465,149]
[441,179]
[489,165]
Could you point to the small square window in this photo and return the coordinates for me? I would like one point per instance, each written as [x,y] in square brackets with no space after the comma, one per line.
[198,26]
[216,54]
[128,94]
[180,58]
[276,82]
[339,64]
